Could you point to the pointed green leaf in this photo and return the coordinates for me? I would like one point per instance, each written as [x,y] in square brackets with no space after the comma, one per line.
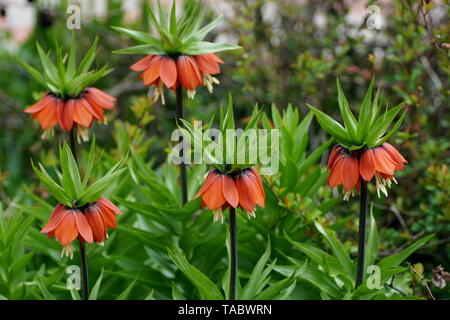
[335,129]
[207,289]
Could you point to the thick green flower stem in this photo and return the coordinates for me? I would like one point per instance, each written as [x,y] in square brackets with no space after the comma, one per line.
[179,115]
[83,259]
[360,270]
[234,255]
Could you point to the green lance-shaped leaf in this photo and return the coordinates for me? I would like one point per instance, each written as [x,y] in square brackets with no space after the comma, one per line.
[138,35]
[90,164]
[372,245]
[203,47]
[393,261]
[94,293]
[88,58]
[394,129]
[72,62]
[71,176]
[34,73]
[338,249]
[334,128]
[94,191]
[49,68]
[55,189]
[163,22]
[173,18]
[207,289]
[365,113]
[273,290]
[383,124]
[347,115]
[252,288]
[142,49]
[201,34]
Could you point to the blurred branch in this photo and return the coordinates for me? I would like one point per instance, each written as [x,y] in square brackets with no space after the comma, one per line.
[423,280]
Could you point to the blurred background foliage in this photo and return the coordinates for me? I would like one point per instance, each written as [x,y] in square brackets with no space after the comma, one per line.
[292,53]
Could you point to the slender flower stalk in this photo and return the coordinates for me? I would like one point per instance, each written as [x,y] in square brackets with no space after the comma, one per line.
[362,233]
[179,117]
[362,155]
[234,255]
[241,189]
[83,257]
[81,213]
[236,187]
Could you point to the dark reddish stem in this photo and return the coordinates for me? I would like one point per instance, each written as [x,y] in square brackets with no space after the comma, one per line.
[362,233]
[180,115]
[233,255]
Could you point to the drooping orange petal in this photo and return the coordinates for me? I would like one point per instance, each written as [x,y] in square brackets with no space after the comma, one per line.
[152,72]
[383,162]
[212,175]
[246,193]
[207,64]
[213,196]
[349,172]
[55,219]
[97,112]
[67,230]
[83,226]
[142,64]
[104,100]
[396,157]
[334,179]
[188,73]
[333,155]
[259,181]
[82,116]
[96,222]
[168,71]
[92,106]
[41,104]
[230,191]
[47,117]
[109,204]
[367,165]
[214,57]
[66,115]
[260,197]
[108,216]
[60,111]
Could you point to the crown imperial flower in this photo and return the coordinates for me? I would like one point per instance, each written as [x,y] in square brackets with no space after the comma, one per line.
[87,224]
[347,168]
[242,189]
[362,152]
[180,56]
[70,100]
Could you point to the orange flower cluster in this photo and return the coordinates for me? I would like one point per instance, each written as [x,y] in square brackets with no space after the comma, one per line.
[187,71]
[68,113]
[241,189]
[87,223]
[347,167]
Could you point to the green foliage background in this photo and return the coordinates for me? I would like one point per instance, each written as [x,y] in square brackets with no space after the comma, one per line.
[162,250]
